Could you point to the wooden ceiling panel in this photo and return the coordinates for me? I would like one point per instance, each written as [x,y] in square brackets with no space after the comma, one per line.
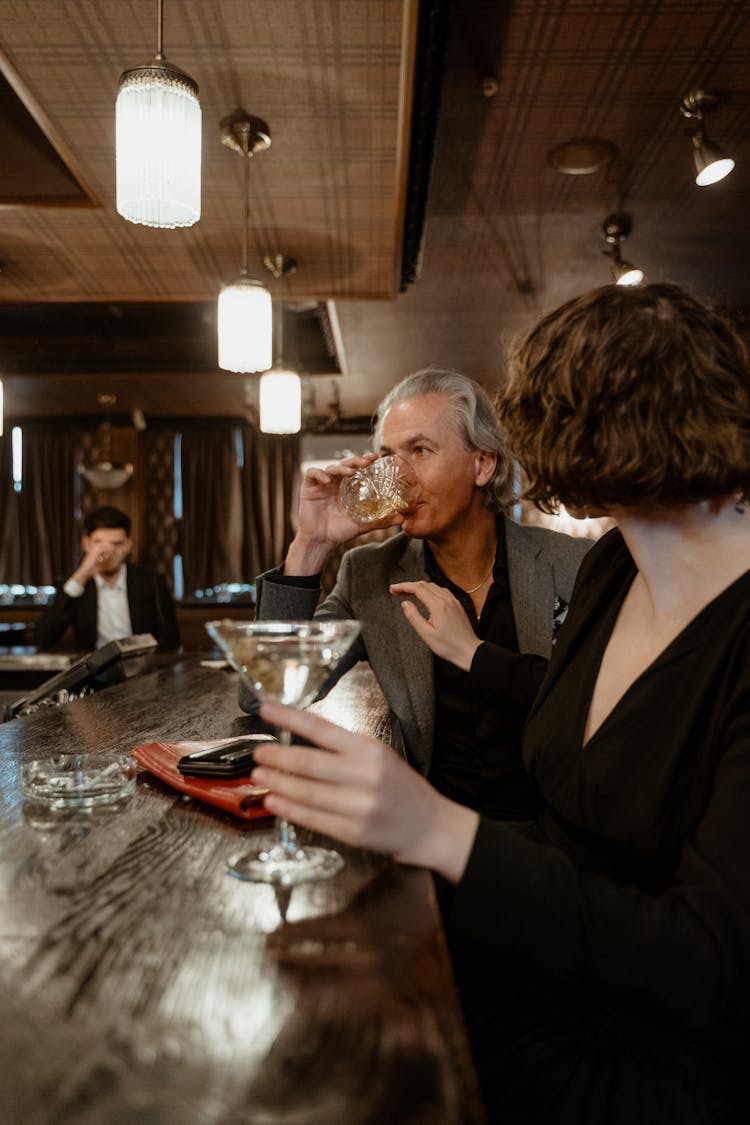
[333,82]
[506,235]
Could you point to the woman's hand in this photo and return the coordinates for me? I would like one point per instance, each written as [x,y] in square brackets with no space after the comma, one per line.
[359,791]
[447,630]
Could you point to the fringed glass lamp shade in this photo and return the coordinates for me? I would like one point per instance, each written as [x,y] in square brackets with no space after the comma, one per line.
[280,402]
[158,126]
[245,327]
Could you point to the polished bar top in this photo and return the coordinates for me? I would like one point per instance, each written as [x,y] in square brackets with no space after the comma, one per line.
[141,985]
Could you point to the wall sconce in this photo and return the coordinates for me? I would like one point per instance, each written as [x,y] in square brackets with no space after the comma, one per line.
[711,162]
[245,328]
[615,228]
[280,389]
[158,147]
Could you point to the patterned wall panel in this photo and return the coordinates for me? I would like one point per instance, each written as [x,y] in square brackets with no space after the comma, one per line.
[160,531]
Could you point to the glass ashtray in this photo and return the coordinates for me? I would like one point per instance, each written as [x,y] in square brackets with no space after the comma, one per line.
[79,781]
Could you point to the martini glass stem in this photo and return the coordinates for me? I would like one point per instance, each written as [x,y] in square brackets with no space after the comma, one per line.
[287,832]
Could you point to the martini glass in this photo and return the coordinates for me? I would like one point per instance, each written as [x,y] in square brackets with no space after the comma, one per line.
[286,661]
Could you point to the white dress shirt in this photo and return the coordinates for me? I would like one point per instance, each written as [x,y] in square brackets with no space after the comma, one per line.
[112,609]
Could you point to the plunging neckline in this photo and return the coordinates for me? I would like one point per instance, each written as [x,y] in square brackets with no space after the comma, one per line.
[661,658]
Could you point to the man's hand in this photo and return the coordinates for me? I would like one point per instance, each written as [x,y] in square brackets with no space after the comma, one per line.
[447,630]
[322,523]
[88,566]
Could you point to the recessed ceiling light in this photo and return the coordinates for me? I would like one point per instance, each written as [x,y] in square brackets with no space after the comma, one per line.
[581,156]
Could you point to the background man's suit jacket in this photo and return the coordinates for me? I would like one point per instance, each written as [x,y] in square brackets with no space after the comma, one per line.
[151,611]
[542,566]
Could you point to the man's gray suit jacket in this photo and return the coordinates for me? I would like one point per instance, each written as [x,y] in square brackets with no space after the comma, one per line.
[542,566]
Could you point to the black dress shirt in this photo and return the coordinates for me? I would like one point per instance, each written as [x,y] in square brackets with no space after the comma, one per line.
[479,714]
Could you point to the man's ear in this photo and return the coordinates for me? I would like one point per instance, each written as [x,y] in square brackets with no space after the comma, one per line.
[485,466]
[85,544]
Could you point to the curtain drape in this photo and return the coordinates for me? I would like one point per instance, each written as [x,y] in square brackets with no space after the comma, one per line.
[236,522]
[159,543]
[211,537]
[38,541]
[8,513]
[270,487]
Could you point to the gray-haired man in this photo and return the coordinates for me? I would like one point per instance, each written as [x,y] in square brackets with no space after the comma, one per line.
[461,674]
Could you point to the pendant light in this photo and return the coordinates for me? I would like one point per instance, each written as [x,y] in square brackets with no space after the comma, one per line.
[102,471]
[280,389]
[245,331]
[158,129]
[711,162]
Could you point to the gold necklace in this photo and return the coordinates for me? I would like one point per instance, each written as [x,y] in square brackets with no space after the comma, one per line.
[474,589]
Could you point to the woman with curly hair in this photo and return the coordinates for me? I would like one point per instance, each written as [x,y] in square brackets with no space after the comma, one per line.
[609,943]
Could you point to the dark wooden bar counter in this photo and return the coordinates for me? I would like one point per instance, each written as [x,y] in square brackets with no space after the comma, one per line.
[141,985]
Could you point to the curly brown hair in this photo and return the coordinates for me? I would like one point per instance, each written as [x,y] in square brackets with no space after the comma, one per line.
[628,396]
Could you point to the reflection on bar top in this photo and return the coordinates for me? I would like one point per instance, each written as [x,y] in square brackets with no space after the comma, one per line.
[26,659]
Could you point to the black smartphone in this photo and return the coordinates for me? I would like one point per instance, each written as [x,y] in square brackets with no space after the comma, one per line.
[234,758]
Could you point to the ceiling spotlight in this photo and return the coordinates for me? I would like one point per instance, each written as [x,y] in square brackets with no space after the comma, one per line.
[158,143]
[245,329]
[711,162]
[280,389]
[615,228]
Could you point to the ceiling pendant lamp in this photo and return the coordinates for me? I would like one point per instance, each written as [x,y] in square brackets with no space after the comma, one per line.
[102,471]
[711,162]
[158,129]
[280,391]
[245,329]
[280,402]
[615,228]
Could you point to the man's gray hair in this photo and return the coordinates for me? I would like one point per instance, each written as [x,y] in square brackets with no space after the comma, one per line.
[473,416]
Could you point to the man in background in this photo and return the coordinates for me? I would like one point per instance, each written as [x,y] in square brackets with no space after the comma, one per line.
[107,597]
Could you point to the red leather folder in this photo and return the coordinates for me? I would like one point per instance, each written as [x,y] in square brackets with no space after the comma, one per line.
[239,795]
